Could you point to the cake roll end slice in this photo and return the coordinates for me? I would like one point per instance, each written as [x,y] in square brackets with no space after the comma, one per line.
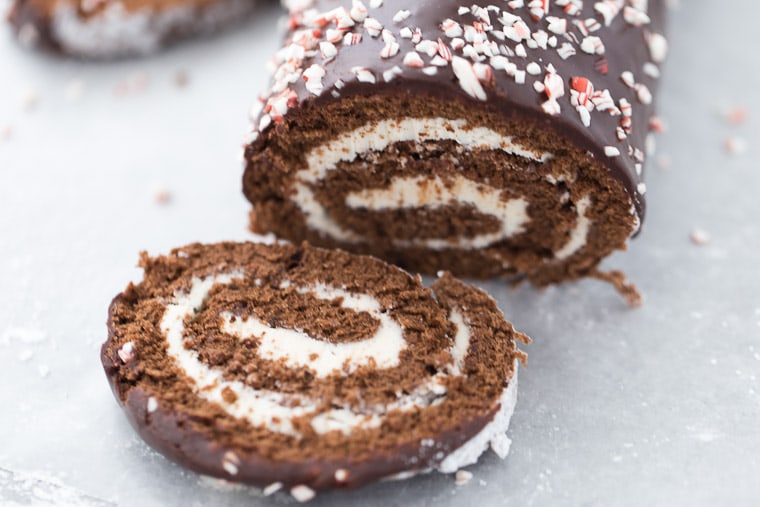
[310,368]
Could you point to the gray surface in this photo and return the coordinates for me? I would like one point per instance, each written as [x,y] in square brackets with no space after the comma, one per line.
[618,407]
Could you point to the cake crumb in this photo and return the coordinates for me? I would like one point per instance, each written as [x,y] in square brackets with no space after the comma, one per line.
[302,493]
[6,133]
[181,79]
[463,477]
[482,482]
[699,236]
[735,146]
[272,488]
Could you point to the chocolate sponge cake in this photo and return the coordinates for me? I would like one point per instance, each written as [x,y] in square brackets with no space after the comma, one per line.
[309,369]
[488,139]
[114,28]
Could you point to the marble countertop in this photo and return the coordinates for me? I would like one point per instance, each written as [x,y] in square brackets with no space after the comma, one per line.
[655,406]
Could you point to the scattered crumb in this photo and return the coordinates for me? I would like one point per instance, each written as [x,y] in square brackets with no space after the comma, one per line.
[302,493]
[735,146]
[162,196]
[6,133]
[181,79]
[272,488]
[25,355]
[463,477]
[699,237]
[657,124]
[135,83]
[482,482]
[736,115]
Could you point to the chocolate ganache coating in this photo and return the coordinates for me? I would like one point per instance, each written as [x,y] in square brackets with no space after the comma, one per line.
[566,80]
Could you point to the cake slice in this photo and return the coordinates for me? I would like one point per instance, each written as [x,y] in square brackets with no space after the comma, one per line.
[309,369]
[488,139]
[117,28]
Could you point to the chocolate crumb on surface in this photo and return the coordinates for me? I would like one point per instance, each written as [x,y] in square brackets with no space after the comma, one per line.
[277,364]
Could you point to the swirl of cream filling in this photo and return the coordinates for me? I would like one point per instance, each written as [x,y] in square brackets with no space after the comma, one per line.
[417,192]
[276,410]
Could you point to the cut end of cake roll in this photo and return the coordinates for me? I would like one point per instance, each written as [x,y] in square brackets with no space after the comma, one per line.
[101,29]
[308,368]
[488,141]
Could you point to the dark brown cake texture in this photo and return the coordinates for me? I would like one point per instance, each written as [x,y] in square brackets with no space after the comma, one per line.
[116,28]
[488,139]
[306,369]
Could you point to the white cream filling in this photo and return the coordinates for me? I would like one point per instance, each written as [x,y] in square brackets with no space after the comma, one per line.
[461,342]
[379,136]
[117,31]
[275,410]
[579,234]
[425,192]
[418,192]
[299,350]
[494,434]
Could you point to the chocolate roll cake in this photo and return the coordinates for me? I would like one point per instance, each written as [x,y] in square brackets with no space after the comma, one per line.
[114,28]
[308,369]
[495,139]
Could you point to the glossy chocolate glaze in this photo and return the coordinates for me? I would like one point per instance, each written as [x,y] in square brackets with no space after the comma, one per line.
[626,50]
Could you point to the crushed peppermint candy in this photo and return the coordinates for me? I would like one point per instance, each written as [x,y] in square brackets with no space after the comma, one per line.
[401,16]
[127,352]
[230,463]
[271,489]
[468,80]
[480,45]
[363,74]
[302,493]
[313,77]
[463,477]
[699,237]
[735,146]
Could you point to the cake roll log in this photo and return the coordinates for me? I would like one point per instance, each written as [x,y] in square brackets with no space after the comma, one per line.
[117,28]
[502,138]
[307,368]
